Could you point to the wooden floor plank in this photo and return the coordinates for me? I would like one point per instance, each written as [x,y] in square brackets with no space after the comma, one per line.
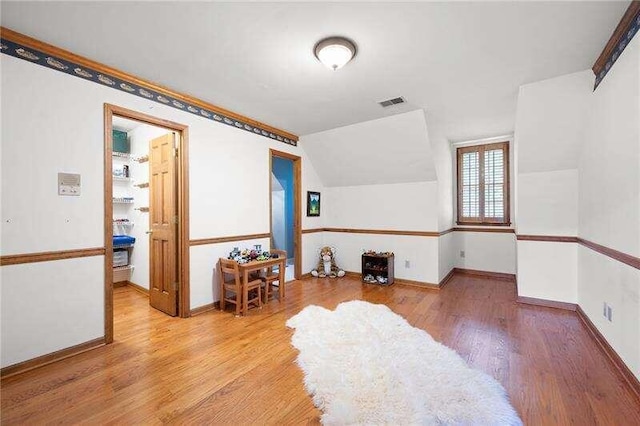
[216,368]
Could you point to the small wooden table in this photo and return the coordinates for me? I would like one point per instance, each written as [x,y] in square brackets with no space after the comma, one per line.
[256,265]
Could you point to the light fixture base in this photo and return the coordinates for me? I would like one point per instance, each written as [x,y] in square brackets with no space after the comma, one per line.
[335,52]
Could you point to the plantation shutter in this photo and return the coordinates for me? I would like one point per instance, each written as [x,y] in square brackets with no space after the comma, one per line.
[483,184]
[471,184]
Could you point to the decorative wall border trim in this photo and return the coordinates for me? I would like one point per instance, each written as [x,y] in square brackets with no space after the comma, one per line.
[31,50]
[628,26]
[547,303]
[217,240]
[613,254]
[46,256]
[549,238]
[23,367]
[610,353]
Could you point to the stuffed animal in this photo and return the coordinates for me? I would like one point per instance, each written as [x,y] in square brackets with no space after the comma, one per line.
[327,264]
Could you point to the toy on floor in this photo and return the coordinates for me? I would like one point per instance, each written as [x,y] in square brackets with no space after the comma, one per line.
[327,264]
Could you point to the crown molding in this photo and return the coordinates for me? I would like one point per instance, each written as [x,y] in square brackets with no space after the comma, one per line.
[627,28]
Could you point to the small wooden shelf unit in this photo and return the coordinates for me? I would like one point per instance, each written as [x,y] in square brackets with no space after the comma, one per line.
[378,265]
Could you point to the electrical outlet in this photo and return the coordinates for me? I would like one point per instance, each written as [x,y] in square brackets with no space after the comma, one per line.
[604,309]
[609,313]
[462,254]
[407,264]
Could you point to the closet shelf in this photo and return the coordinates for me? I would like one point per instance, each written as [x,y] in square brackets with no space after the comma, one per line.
[125,155]
[143,209]
[121,178]
[142,185]
[123,268]
[142,159]
[122,200]
[126,224]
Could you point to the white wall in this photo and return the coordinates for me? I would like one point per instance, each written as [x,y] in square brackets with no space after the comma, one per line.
[550,119]
[53,122]
[486,251]
[48,306]
[609,172]
[549,132]
[602,279]
[548,205]
[421,252]
[447,255]
[404,206]
[609,205]
[548,270]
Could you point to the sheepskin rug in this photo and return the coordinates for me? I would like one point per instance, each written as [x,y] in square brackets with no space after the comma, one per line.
[364,364]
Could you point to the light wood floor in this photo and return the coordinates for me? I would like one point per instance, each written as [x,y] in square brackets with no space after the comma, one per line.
[215,368]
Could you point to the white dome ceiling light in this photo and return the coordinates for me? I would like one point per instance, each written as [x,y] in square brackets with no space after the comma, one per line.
[335,52]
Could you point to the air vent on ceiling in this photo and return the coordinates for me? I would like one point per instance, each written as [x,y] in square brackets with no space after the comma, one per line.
[391,102]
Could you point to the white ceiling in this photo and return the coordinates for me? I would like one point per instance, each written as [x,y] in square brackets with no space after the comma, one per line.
[460,62]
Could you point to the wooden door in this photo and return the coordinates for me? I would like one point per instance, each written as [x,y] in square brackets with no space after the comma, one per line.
[163,223]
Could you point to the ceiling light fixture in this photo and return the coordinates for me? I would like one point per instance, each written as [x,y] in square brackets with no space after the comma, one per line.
[335,52]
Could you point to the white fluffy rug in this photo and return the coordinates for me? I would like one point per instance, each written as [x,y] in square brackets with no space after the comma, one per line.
[364,364]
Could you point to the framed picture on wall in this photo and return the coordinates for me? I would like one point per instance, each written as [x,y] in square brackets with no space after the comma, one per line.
[313,203]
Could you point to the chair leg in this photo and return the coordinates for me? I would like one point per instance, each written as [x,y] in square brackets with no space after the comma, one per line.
[245,300]
[220,279]
[239,303]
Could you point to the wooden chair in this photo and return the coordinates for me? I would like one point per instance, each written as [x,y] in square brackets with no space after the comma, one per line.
[271,276]
[233,284]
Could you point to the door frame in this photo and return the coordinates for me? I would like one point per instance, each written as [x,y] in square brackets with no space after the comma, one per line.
[183,209]
[297,209]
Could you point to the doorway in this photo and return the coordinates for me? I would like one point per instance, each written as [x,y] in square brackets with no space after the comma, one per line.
[285,210]
[146,231]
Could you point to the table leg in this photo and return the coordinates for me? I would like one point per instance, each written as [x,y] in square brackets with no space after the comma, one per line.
[245,292]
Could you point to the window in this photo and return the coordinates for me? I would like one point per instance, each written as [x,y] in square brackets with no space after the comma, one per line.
[483,184]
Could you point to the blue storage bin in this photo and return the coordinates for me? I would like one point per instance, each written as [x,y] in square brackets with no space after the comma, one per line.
[123,240]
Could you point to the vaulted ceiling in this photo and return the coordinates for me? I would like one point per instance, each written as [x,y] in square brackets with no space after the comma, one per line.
[460,62]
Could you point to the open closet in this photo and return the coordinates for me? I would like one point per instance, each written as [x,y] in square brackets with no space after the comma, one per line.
[132,176]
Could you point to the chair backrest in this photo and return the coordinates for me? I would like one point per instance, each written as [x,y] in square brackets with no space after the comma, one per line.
[229,266]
